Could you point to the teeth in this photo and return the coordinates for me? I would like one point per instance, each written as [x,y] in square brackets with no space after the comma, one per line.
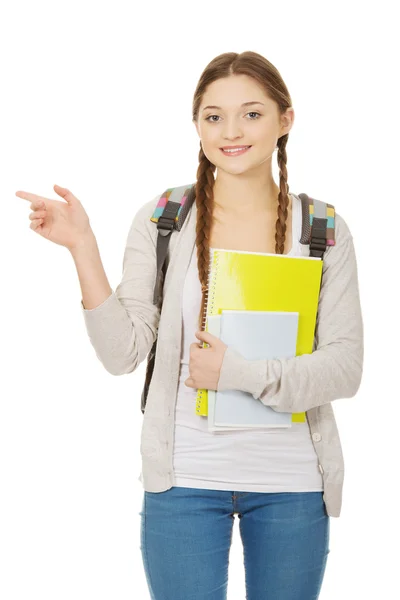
[236,149]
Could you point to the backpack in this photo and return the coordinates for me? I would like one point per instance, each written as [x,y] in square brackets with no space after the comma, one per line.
[318,230]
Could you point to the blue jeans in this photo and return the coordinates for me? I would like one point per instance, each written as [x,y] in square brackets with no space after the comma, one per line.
[186,535]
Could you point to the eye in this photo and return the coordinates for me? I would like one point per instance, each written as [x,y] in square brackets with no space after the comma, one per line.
[249,113]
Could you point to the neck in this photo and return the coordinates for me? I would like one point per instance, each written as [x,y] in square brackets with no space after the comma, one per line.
[234,196]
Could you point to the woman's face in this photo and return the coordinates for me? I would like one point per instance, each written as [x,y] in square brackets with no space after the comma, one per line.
[258,125]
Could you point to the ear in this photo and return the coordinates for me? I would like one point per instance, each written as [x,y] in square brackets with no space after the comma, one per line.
[287,120]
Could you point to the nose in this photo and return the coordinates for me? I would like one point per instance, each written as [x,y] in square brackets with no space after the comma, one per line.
[232,131]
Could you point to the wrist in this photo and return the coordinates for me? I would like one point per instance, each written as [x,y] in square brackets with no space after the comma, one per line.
[86,242]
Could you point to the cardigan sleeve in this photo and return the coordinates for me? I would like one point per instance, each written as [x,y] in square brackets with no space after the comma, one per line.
[124,327]
[334,369]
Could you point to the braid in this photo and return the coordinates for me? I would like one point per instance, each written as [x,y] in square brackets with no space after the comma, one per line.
[205,206]
[283,198]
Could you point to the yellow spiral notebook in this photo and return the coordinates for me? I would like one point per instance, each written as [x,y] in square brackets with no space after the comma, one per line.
[239,280]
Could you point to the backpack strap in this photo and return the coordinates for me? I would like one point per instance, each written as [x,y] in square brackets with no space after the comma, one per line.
[170,214]
[318,225]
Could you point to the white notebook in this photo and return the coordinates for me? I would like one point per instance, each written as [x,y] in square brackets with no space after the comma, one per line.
[256,335]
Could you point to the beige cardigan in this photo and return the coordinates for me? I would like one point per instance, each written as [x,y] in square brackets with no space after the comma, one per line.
[123,328]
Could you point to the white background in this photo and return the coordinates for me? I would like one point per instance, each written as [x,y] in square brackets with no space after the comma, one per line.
[97,97]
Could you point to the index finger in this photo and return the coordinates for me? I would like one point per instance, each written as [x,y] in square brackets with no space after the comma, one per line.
[34,198]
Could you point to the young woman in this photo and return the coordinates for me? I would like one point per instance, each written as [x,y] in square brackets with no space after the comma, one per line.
[284,484]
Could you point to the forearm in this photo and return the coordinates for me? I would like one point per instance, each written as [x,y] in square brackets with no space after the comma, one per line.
[297,384]
[95,288]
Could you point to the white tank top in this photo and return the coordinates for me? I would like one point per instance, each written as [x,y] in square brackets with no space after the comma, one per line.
[269,460]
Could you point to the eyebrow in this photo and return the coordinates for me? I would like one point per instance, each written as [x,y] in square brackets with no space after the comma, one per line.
[244,104]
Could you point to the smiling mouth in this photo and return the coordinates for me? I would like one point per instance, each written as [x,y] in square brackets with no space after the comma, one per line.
[234,151]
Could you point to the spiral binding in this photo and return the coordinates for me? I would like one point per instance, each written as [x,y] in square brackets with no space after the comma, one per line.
[208,308]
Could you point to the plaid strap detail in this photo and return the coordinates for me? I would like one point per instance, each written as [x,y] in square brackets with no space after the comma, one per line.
[312,207]
[166,196]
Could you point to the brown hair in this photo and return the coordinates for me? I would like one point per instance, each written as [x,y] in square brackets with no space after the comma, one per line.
[259,68]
